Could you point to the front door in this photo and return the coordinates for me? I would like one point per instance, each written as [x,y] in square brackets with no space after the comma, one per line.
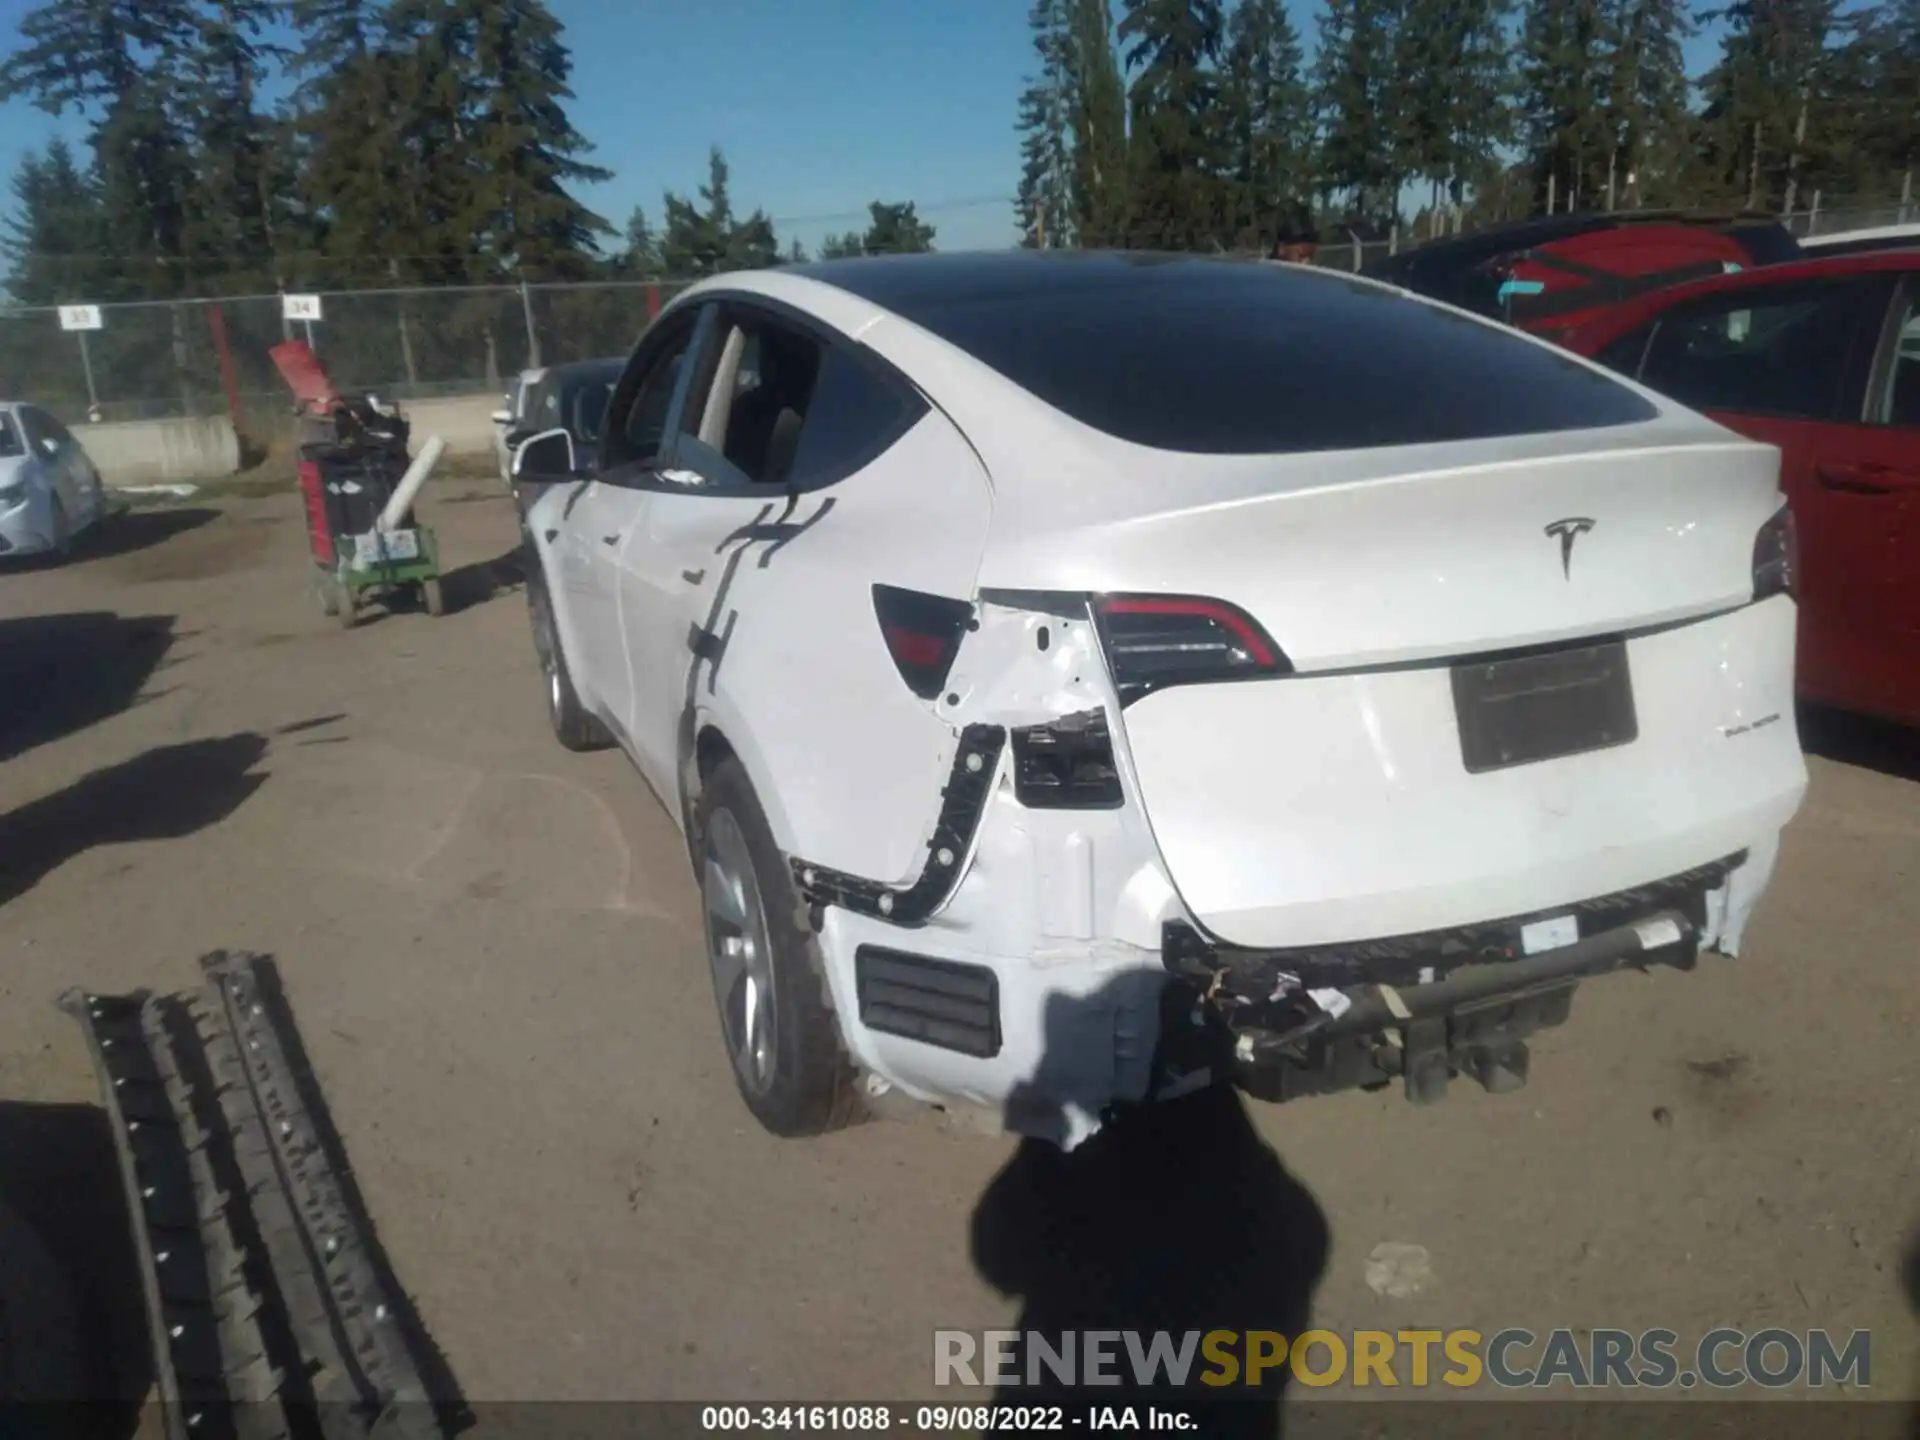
[804,472]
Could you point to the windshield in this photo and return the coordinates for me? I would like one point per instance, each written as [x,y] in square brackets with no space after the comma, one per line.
[10,446]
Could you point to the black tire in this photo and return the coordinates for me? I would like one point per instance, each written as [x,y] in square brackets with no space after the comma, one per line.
[810,1088]
[326,593]
[62,528]
[573,726]
[433,597]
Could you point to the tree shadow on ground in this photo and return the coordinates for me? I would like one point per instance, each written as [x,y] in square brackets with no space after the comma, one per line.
[61,673]
[60,1175]
[1175,1217]
[162,794]
[1861,740]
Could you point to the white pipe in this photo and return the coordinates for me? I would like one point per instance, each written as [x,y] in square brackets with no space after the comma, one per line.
[411,482]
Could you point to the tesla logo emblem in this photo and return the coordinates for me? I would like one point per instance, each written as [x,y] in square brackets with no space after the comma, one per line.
[1567,531]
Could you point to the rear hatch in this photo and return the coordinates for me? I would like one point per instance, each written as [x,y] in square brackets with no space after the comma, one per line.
[1497,688]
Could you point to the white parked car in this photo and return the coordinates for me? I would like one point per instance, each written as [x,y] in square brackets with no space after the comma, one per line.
[49,489]
[1024,642]
[510,420]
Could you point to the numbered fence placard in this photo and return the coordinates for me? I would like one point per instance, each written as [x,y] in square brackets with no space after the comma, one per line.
[80,317]
[300,307]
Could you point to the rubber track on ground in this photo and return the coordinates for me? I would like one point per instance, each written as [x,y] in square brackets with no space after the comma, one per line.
[268,1316]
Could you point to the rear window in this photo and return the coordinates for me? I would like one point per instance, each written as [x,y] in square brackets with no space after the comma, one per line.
[1220,358]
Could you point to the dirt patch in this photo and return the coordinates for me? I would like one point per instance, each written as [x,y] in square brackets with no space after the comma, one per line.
[224,547]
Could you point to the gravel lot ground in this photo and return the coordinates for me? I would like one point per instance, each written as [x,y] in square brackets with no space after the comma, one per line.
[491,946]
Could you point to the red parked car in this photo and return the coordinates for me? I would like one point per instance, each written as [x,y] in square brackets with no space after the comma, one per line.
[1551,274]
[1822,359]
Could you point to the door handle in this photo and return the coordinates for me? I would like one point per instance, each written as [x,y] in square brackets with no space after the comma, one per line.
[609,539]
[693,577]
[1864,479]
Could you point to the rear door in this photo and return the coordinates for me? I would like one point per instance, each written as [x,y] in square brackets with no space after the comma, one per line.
[1789,364]
[811,473]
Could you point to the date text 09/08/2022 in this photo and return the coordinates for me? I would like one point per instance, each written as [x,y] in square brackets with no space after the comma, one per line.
[943,1419]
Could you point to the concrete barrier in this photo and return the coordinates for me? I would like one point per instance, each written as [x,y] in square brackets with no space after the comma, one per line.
[152,452]
[465,422]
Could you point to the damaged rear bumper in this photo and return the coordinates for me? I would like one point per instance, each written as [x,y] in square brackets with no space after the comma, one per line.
[1424,1008]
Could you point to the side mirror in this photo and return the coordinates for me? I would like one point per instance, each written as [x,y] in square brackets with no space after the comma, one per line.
[49,447]
[548,455]
[503,417]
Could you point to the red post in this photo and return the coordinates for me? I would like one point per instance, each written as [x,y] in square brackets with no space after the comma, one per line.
[217,323]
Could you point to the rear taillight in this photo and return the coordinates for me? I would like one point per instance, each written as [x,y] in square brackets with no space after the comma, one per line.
[923,634]
[1153,641]
[1776,556]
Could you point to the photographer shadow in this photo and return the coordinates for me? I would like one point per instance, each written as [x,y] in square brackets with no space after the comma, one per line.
[1175,1217]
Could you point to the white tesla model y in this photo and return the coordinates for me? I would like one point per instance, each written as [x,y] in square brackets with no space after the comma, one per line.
[1081,676]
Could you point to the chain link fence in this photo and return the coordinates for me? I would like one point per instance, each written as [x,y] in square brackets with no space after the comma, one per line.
[152,360]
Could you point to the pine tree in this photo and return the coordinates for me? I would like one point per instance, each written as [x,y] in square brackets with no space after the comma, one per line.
[1887,99]
[1042,203]
[53,238]
[896,230]
[1563,101]
[1177,160]
[1449,96]
[1097,115]
[842,247]
[1772,73]
[1647,90]
[525,151]
[707,239]
[118,63]
[1354,84]
[641,258]
[231,227]
[1264,105]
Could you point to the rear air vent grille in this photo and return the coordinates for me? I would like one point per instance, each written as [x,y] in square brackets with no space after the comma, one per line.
[937,1002]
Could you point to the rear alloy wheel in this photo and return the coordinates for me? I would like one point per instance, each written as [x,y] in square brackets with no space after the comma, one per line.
[768,983]
[573,727]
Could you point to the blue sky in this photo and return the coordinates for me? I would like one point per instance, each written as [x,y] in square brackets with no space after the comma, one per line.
[820,105]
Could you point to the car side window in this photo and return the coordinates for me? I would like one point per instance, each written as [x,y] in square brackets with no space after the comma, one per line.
[772,393]
[1766,350]
[39,429]
[791,406]
[1623,356]
[11,443]
[1897,400]
[643,400]
[56,432]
